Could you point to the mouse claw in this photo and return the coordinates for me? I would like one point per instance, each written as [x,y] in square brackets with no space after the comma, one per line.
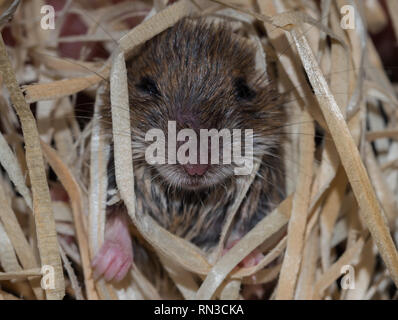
[115,257]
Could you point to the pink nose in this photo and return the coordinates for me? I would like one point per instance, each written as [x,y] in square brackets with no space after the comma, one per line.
[196,169]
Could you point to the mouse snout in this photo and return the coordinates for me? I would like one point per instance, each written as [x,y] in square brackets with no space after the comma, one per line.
[196,169]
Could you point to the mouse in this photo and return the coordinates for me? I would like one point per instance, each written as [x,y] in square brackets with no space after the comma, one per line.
[196,75]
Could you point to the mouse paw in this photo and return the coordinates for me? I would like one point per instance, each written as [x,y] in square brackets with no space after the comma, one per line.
[251,260]
[115,257]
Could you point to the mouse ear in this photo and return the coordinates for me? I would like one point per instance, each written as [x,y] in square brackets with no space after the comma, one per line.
[243,91]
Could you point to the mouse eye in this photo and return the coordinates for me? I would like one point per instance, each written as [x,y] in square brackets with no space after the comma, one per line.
[148,85]
[243,91]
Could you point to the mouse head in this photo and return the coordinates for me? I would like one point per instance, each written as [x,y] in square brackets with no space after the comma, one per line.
[193,77]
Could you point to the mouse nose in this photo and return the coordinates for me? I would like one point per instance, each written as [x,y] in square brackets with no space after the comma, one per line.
[196,169]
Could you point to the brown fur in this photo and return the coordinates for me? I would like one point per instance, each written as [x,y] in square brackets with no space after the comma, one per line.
[203,76]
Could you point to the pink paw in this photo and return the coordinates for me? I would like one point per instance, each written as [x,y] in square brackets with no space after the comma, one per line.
[115,257]
[251,260]
[250,291]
